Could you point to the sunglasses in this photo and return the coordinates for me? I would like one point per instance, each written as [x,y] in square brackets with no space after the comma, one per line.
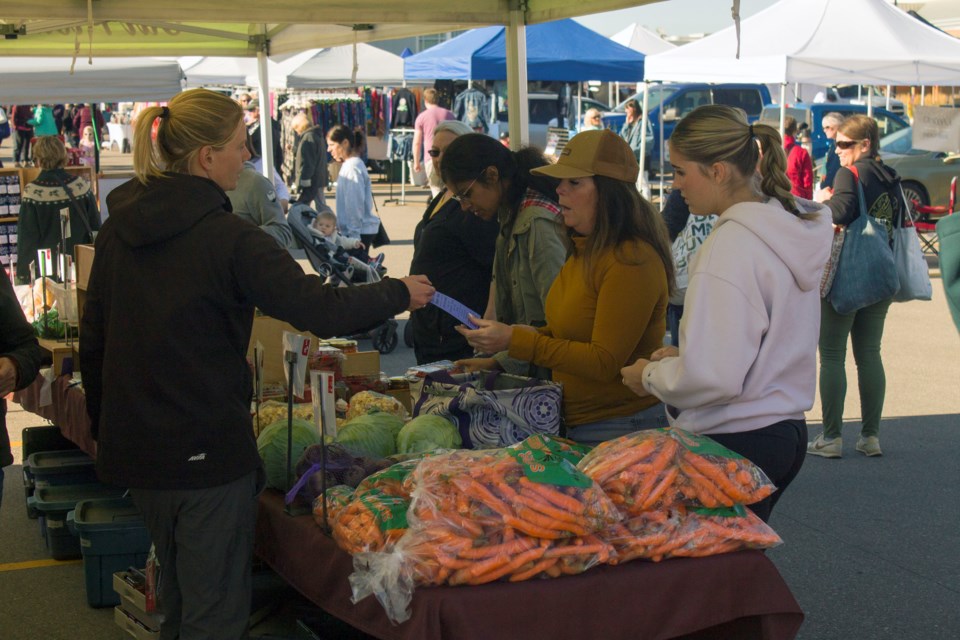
[433,153]
[460,197]
[847,144]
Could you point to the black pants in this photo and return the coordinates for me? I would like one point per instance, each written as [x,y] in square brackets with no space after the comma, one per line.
[779,450]
[21,152]
[204,542]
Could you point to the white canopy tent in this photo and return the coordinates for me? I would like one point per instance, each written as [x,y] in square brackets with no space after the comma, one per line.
[817,42]
[642,40]
[49,80]
[257,28]
[313,69]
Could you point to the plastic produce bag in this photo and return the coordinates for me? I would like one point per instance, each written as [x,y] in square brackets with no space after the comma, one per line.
[659,468]
[338,497]
[366,402]
[481,516]
[370,521]
[674,533]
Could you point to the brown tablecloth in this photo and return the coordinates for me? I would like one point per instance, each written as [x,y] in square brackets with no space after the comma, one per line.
[68,410]
[736,595]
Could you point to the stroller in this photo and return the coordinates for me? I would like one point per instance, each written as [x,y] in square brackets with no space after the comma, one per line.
[339,268]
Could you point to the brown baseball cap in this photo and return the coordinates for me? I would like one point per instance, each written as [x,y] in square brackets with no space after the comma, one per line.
[594,153]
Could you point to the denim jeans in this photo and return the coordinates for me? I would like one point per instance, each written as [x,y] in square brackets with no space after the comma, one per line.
[674,313]
[593,433]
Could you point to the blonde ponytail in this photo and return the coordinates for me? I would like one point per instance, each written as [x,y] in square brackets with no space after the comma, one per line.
[718,133]
[193,119]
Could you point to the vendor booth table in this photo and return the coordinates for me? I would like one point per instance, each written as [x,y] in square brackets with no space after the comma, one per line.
[736,595]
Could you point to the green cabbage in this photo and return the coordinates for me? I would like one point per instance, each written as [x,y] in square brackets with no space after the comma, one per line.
[272,445]
[426,433]
[373,435]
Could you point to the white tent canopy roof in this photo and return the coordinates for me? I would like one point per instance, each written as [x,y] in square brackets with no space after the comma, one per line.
[313,69]
[642,40]
[818,42]
[48,80]
[240,27]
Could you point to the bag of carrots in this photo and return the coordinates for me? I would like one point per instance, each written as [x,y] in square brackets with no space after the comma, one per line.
[395,480]
[338,497]
[676,532]
[659,468]
[715,476]
[479,516]
[370,522]
[708,532]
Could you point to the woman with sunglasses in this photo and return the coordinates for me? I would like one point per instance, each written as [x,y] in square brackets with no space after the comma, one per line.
[857,146]
[745,371]
[455,251]
[494,183]
[608,305]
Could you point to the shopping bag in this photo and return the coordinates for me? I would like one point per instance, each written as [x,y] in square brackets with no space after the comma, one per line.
[492,409]
[911,266]
[866,272]
[688,241]
[381,238]
[830,270]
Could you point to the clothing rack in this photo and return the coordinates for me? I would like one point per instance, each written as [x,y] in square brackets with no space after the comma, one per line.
[402,200]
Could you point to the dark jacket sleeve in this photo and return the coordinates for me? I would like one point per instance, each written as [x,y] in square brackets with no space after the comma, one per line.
[18,340]
[675,213]
[93,344]
[276,285]
[844,204]
[28,239]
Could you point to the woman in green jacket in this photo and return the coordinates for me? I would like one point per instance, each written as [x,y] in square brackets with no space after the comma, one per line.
[493,182]
[43,122]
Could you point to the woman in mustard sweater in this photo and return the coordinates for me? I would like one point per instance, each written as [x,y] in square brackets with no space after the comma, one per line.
[607,306]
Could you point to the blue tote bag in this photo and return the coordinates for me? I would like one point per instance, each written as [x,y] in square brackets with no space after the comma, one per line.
[866,271]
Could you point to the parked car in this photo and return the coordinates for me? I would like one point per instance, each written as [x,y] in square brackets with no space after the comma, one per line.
[543,111]
[925,175]
[859,94]
[811,113]
[677,100]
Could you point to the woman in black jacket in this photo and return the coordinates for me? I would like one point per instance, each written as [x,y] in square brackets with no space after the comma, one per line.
[54,190]
[857,146]
[166,328]
[455,250]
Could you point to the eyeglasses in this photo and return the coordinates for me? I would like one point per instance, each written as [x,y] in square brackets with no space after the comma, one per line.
[460,197]
[433,153]
[594,117]
[847,144]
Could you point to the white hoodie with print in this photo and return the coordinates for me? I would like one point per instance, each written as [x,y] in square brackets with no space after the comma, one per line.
[751,322]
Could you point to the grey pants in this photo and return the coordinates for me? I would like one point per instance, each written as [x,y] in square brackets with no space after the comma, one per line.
[204,542]
[593,433]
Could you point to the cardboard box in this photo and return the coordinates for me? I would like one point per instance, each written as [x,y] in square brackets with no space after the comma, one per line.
[269,331]
[83,262]
[61,352]
[361,363]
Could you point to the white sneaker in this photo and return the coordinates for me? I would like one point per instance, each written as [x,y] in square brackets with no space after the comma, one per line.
[824,448]
[869,446]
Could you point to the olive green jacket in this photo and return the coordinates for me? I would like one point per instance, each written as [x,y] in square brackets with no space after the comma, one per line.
[528,258]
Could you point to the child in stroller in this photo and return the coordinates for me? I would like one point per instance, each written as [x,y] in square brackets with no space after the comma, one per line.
[349,254]
[327,255]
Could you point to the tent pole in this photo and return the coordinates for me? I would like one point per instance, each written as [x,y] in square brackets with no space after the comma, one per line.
[870,101]
[888,98]
[783,106]
[663,145]
[922,94]
[266,130]
[644,123]
[518,112]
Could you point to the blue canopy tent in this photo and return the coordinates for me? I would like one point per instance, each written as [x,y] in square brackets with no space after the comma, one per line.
[563,51]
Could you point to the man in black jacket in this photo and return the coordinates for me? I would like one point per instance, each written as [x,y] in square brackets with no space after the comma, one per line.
[19,360]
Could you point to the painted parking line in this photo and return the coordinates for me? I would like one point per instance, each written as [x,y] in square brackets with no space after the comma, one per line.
[36,564]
